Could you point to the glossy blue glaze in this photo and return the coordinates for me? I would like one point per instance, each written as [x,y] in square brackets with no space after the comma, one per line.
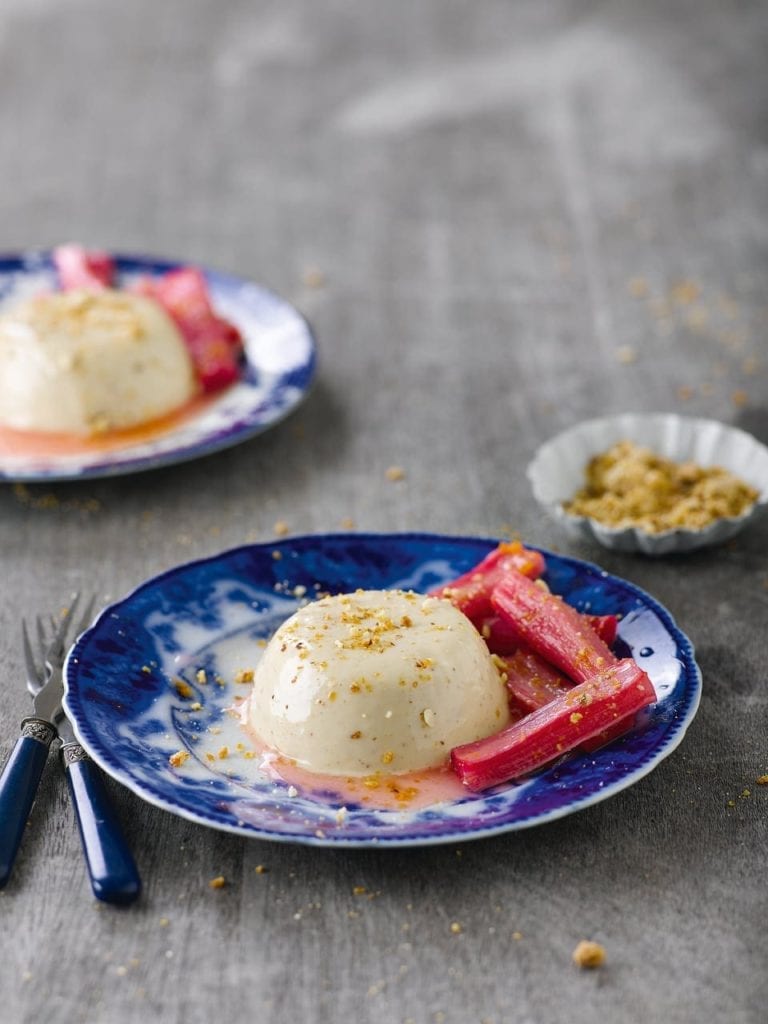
[18,786]
[128,716]
[280,359]
[112,870]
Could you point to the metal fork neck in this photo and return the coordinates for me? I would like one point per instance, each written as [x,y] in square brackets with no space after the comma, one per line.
[38,729]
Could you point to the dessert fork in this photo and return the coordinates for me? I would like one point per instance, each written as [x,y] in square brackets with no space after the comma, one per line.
[111,868]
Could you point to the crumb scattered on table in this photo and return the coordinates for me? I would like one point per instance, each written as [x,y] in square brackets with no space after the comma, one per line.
[739,398]
[395,473]
[281,528]
[218,882]
[313,278]
[589,954]
[638,288]
[683,293]
[626,354]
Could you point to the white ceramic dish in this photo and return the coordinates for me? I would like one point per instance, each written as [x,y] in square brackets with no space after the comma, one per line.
[557,472]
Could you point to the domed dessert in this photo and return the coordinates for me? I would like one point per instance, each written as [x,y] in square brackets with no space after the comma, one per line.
[375,681]
[85,362]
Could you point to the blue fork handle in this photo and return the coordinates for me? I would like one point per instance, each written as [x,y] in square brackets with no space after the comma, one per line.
[111,867]
[18,786]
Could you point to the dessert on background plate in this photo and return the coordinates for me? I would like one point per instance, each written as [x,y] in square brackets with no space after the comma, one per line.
[600,685]
[89,358]
[85,362]
[113,364]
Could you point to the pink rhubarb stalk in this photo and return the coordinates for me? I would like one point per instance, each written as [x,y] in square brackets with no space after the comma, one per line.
[606,626]
[550,627]
[533,682]
[471,593]
[560,726]
[77,267]
[504,639]
[214,344]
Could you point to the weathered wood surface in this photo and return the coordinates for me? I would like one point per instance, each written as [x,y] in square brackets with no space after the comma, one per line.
[502,199]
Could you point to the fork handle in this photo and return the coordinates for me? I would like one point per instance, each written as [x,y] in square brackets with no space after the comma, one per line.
[18,786]
[111,868]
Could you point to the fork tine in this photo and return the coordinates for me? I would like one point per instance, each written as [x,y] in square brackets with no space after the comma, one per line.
[42,643]
[29,659]
[56,645]
[85,618]
[42,639]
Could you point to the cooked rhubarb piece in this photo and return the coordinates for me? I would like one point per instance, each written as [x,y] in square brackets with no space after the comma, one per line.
[216,361]
[606,626]
[471,593]
[516,711]
[83,268]
[500,638]
[503,639]
[531,680]
[613,732]
[214,344]
[561,725]
[549,626]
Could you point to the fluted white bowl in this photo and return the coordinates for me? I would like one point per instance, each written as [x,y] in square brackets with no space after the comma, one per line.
[556,473]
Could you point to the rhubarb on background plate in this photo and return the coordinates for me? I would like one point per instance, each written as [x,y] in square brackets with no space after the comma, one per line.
[77,267]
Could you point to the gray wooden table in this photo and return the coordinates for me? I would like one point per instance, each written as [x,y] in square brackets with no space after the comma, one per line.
[524,215]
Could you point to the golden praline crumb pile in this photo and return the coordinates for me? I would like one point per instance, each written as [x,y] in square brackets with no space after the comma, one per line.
[632,486]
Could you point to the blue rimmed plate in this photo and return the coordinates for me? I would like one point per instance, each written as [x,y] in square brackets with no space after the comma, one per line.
[280,359]
[208,615]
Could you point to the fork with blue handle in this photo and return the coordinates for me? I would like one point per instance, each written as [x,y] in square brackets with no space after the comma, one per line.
[112,871]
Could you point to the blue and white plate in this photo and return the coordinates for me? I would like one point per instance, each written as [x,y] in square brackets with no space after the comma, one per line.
[279,365]
[210,614]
